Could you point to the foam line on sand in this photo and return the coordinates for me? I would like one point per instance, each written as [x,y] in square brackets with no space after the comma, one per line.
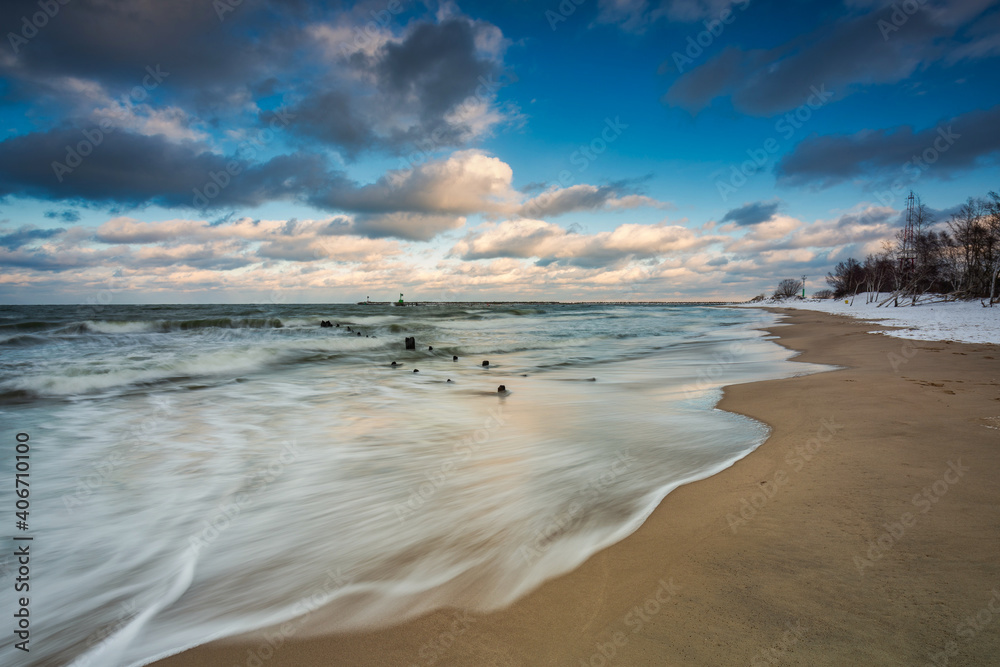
[866,530]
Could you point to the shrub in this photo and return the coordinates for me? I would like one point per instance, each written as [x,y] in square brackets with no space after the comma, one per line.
[788,287]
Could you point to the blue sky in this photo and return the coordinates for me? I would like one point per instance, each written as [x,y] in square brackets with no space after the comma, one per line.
[199,151]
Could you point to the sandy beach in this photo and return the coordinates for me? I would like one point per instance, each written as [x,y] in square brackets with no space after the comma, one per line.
[866,530]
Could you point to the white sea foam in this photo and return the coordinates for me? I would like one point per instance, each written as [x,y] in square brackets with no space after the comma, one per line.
[303,479]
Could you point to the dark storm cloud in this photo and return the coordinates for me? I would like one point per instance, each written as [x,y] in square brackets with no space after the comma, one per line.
[133,169]
[751,214]
[94,58]
[114,40]
[983,40]
[332,118]
[898,153]
[215,67]
[137,170]
[435,65]
[856,51]
[433,71]
[719,76]
[25,235]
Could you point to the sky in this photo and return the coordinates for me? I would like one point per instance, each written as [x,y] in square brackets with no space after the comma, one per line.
[255,151]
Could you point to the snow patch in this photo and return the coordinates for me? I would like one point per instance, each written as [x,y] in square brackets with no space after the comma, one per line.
[930,319]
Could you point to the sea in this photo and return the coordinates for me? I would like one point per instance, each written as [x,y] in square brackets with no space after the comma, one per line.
[200,472]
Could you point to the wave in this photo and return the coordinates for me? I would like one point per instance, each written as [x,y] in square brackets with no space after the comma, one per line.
[518,311]
[226,363]
[23,340]
[169,326]
[149,326]
[112,650]
[28,326]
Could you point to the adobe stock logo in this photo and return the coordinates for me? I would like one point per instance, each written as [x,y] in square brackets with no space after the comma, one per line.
[901,13]
[38,20]
[696,44]
[728,181]
[566,9]
[94,137]
[217,181]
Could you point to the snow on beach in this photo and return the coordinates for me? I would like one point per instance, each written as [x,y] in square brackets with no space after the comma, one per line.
[930,319]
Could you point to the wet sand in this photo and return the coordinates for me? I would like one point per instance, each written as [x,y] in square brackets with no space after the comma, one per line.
[866,530]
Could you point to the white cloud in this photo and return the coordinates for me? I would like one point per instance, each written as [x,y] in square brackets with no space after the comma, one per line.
[870,224]
[585,197]
[466,182]
[476,118]
[525,238]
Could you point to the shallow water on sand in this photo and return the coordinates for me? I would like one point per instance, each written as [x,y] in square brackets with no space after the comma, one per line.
[202,471]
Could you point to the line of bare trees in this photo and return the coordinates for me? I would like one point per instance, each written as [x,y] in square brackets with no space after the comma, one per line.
[960,259]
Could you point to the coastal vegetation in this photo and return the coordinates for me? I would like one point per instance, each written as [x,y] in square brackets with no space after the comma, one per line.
[958,258]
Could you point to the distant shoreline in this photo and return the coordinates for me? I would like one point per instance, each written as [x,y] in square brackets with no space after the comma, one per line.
[390,303]
[538,303]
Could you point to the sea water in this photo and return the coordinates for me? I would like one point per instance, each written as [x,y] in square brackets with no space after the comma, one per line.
[199,472]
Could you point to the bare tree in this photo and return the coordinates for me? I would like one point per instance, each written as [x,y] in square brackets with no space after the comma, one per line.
[993,233]
[878,270]
[788,287]
[962,262]
[847,278]
[970,231]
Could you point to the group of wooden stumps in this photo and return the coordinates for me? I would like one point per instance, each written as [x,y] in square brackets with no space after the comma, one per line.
[411,344]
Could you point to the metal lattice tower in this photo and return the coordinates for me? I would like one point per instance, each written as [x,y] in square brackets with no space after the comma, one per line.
[908,249]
